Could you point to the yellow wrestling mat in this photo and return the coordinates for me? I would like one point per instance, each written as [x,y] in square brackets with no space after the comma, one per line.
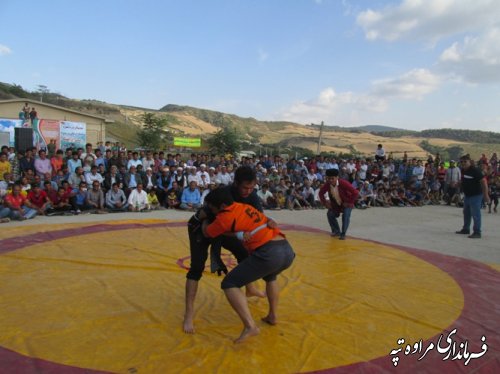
[111,298]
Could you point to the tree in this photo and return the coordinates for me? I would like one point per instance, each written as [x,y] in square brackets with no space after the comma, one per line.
[455,152]
[226,140]
[152,134]
[42,89]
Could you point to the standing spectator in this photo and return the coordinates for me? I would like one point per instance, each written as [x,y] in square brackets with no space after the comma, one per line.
[33,115]
[452,179]
[134,162]
[26,111]
[93,176]
[380,153]
[342,196]
[88,155]
[5,166]
[57,161]
[74,162]
[51,148]
[42,164]
[475,190]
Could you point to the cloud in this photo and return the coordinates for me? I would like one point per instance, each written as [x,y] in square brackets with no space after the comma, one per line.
[333,107]
[412,85]
[429,20]
[263,55]
[4,50]
[475,59]
[348,107]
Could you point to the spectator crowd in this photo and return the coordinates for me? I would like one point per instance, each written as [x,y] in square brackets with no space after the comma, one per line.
[108,178]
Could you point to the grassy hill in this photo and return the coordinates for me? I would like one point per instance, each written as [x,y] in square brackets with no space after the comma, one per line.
[190,121]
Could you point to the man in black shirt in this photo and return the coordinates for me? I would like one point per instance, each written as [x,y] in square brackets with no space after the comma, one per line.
[475,190]
[242,191]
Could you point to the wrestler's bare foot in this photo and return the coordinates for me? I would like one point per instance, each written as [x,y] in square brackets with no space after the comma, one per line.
[247,332]
[188,326]
[271,320]
[254,291]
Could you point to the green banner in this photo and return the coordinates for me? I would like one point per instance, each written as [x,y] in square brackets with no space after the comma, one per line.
[187,142]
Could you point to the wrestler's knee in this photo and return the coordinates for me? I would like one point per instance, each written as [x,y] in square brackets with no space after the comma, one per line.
[194,274]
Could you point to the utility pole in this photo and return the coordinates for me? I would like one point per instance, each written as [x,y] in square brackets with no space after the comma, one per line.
[318,151]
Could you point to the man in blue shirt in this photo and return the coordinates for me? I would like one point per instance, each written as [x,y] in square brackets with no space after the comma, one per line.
[191,197]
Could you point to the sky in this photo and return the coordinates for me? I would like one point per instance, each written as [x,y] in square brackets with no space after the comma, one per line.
[411,64]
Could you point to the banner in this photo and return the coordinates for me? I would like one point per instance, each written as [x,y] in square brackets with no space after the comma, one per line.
[8,125]
[187,142]
[72,134]
[47,130]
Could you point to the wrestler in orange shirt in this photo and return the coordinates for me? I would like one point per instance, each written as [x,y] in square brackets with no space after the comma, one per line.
[269,254]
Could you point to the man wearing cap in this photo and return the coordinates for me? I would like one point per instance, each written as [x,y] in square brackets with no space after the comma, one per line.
[342,197]
[475,190]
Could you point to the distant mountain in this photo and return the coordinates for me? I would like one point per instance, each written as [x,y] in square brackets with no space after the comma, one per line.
[259,135]
[377,128]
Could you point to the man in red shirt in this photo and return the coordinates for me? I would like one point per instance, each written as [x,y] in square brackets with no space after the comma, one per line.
[269,254]
[342,196]
[18,204]
[38,199]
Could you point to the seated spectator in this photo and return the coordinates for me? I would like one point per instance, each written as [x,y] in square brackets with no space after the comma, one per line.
[299,195]
[95,197]
[291,200]
[80,198]
[223,177]
[20,207]
[174,196]
[308,193]
[138,199]
[39,200]
[61,203]
[366,196]
[397,197]
[204,192]
[77,177]
[4,211]
[280,200]
[153,202]
[266,197]
[191,197]
[381,198]
[115,199]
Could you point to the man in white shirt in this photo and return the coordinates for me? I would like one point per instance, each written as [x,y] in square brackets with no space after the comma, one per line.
[380,153]
[138,199]
[223,177]
[93,176]
[419,170]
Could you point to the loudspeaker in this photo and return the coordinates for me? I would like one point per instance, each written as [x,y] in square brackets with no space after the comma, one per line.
[23,138]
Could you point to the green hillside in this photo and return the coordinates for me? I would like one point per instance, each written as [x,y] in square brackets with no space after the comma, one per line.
[203,122]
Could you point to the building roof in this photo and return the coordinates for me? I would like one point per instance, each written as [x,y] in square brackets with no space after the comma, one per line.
[40,103]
